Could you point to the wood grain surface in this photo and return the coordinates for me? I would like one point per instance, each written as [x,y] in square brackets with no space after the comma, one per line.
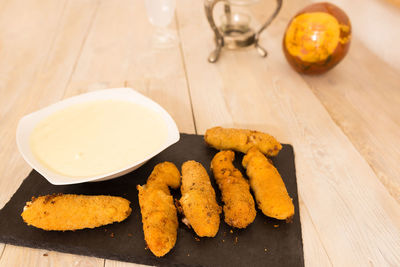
[344,125]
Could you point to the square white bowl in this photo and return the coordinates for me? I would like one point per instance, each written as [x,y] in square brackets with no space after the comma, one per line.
[28,123]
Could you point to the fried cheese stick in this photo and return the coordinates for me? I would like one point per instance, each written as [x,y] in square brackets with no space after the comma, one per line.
[198,200]
[241,140]
[159,218]
[239,207]
[59,212]
[268,187]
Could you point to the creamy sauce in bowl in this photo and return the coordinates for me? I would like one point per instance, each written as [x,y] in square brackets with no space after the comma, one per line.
[98,137]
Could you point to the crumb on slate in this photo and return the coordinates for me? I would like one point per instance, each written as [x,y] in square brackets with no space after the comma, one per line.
[112,235]
[276,225]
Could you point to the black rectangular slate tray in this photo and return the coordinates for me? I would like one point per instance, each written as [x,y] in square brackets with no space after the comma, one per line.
[266,242]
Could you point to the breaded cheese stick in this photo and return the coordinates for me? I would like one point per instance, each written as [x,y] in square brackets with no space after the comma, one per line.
[159,218]
[198,200]
[241,140]
[268,187]
[238,207]
[61,212]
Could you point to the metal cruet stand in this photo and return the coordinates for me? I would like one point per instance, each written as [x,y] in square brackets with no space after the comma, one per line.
[234,34]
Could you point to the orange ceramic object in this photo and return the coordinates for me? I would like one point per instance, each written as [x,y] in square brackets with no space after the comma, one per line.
[317,38]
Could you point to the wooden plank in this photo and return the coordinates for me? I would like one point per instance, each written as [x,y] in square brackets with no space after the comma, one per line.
[376,19]
[162,80]
[45,66]
[111,263]
[18,256]
[40,42]
[355,218]
[2,246]
[14,90]
[366,105]
[118,54]
[316,252]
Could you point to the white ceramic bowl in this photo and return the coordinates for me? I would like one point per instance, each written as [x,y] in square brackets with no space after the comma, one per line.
[28,123]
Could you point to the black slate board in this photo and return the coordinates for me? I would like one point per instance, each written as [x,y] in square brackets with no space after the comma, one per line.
[263,243]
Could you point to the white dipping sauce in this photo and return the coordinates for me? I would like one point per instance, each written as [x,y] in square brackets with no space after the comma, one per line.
[98,137]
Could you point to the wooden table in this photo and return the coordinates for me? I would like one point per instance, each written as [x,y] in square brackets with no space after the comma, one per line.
[344,125]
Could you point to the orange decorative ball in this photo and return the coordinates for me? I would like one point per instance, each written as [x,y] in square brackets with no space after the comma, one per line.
[317,38]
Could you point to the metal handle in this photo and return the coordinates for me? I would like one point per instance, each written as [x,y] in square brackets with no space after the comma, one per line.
[219,40]
[209,8]
[269,20]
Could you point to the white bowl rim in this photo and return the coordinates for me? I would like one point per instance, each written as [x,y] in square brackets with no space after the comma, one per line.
[27,123]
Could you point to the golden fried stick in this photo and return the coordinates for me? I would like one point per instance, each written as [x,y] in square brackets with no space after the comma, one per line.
[242,140]
[198,200]
[269,189]
[239,207]
[73,212]
[159,218]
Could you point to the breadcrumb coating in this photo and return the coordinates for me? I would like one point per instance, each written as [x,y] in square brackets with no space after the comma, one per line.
[268,187]
[241,140]
[59,212]
[239,208]
[198,200]
[159,217]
